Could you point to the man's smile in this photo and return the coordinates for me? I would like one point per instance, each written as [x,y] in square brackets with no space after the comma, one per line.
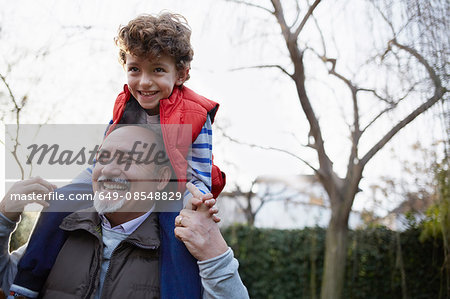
[113,184]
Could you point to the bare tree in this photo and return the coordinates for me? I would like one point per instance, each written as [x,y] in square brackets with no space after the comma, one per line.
[16,89]
[251,202]
[414,66]
[17,98]
[16,111]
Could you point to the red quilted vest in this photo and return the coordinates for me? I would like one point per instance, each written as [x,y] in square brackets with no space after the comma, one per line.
[183,107]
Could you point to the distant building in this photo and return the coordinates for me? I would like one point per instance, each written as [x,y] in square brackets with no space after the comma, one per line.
[288,202]
[415,204]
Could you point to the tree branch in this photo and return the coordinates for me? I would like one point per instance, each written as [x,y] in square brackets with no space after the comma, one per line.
[11,95]
[384,18]
[356,130]
[422,108]
[270,148]
[377,117]
[305,18]
[439,93]
[374,92]
[433,76]
[17,110]
[251,5]
[325,172]
[391,107]
[322,38]
[264,66]
[279,14]
[297,9]
[269,196]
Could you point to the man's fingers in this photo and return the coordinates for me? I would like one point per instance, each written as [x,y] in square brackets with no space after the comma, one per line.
[37,180]
[178,233]
[183,220]
[178,220]
[45,183]
[183,233]
[186,212]
[35,188]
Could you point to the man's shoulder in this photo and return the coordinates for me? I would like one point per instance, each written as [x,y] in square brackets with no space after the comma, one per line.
[86,219]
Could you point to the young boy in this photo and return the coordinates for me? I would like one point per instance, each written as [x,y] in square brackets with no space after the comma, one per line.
[155,52]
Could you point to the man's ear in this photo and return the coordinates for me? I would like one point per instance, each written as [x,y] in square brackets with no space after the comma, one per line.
[164,175]
[182,77]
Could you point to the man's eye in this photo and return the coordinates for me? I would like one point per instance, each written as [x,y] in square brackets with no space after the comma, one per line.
[159,70]
[133,69]
[103,157]
[126,160]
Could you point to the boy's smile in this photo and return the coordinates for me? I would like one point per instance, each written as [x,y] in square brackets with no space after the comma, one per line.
[151,80]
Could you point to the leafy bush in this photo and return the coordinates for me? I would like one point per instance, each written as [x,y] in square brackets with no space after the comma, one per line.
[288,263]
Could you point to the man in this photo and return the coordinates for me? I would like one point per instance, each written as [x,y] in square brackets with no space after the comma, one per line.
[113,252]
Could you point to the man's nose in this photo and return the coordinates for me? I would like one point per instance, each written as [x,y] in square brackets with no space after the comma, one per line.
[111,169]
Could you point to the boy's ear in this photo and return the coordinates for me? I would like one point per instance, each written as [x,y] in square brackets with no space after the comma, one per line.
[182,76]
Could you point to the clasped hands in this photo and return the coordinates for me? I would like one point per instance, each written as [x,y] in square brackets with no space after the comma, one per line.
[196,226]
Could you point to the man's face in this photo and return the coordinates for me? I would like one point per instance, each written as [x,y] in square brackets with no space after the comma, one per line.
[151,80]
[121,176]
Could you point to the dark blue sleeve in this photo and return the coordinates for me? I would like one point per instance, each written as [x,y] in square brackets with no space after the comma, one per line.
[179,273]
[47,239]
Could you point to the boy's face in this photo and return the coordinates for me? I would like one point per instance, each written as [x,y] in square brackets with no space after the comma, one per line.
[151,80]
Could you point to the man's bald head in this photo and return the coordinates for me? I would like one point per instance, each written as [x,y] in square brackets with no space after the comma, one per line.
[131,163]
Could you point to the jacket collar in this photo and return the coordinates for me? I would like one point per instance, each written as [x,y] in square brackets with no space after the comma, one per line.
[145,236]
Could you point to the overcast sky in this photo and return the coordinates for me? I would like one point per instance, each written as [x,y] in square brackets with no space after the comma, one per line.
[61,53]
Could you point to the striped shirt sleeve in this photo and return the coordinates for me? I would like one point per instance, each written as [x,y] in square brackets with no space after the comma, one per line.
[200,161]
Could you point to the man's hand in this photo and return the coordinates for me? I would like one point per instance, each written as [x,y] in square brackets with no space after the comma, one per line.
[201,235]
[198,198]
[13,208]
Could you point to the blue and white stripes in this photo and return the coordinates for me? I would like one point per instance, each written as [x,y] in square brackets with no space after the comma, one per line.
[200,161]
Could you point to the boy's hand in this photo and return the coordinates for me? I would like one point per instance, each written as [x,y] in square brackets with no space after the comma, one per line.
[13,208]
[198,198]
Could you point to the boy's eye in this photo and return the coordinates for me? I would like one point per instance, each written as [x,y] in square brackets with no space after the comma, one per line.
[159,70]
[133,69]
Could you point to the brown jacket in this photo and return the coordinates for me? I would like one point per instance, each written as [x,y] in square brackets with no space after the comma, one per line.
[134,266]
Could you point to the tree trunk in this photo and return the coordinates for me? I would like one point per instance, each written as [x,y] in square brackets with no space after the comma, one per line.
[336,243]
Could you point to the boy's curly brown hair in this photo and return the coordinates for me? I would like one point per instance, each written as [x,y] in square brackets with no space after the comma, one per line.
[151,36]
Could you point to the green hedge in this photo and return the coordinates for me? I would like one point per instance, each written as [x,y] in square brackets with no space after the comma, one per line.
[289,263]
